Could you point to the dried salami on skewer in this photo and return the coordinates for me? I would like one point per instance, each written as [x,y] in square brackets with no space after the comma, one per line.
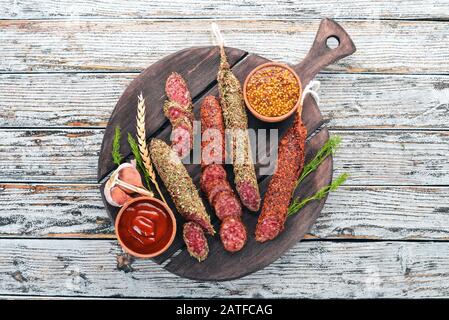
[214,182]
[235,118]
[184,195]
[283,182]
[179,110]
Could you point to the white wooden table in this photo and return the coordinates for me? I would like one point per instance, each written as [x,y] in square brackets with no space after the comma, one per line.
[64,64]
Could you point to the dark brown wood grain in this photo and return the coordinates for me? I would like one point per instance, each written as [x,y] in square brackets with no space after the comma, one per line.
[199,67]
[222,265]
[320,55]
[196,65]
[311,117]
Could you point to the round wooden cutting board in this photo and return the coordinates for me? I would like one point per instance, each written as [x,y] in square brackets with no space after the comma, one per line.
[199,68]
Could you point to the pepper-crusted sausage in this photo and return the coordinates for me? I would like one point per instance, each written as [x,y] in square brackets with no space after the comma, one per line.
[179,184]
[231,99]
[179,110]
[283,183]
[214,182]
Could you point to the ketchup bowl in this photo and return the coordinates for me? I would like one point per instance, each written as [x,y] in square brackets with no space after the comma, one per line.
[145,227]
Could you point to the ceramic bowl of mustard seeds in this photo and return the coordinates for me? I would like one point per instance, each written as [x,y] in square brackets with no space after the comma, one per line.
[272,92]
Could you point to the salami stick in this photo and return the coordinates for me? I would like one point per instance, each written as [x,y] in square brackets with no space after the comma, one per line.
[195,240]
[283,182]
[214,182]
[185,197]
[234,113]
[179,184]
[179,110]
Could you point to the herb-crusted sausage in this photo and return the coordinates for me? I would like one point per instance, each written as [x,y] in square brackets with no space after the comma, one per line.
[234,113]
[179,184]
[179,110]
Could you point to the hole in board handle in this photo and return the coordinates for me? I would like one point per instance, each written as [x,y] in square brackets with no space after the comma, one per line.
[332,42]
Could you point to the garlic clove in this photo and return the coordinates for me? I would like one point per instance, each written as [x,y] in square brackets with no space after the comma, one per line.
[119,196]
[113,201]
[129,174]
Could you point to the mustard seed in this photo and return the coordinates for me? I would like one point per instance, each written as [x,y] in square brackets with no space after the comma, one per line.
[273,91]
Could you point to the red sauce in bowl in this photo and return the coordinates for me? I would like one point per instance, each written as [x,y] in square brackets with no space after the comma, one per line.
[145,227]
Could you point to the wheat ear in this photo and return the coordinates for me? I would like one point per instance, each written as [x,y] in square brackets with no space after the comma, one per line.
[141,140]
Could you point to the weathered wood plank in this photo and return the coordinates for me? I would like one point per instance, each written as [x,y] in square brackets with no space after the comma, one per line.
[395,213]
[394,158]
[385,101]
[339,9]
[58,100]
[371,157]
[312,269]
[130,45]
[373,101]
[53,210]
[49,155]
[36,297]
[392,213]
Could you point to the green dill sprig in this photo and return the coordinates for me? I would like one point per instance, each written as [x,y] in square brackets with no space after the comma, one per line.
[297,205]
[117,158]
[137,156]
[329,148]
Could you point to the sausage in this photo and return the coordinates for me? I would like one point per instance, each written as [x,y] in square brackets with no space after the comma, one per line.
[283,182]
[212,135]
[195,241]
[215,187]
[227,205]
[234,114]
[233,234]
[249,193]
[179,110]
[213,180]
[176,91]
[179,184]
[212,172]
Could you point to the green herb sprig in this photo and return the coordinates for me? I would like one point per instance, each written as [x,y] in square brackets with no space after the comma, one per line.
[329,148]
[297,204]
[117,158]
[137,156]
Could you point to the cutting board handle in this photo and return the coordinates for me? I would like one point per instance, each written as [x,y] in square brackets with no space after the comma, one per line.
[321,55]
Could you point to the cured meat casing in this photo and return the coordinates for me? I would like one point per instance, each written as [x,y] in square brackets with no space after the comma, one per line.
[234,114]
[214,182]
[195,241]
[179,110]
[233,234]
[179,184]
[283,182]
